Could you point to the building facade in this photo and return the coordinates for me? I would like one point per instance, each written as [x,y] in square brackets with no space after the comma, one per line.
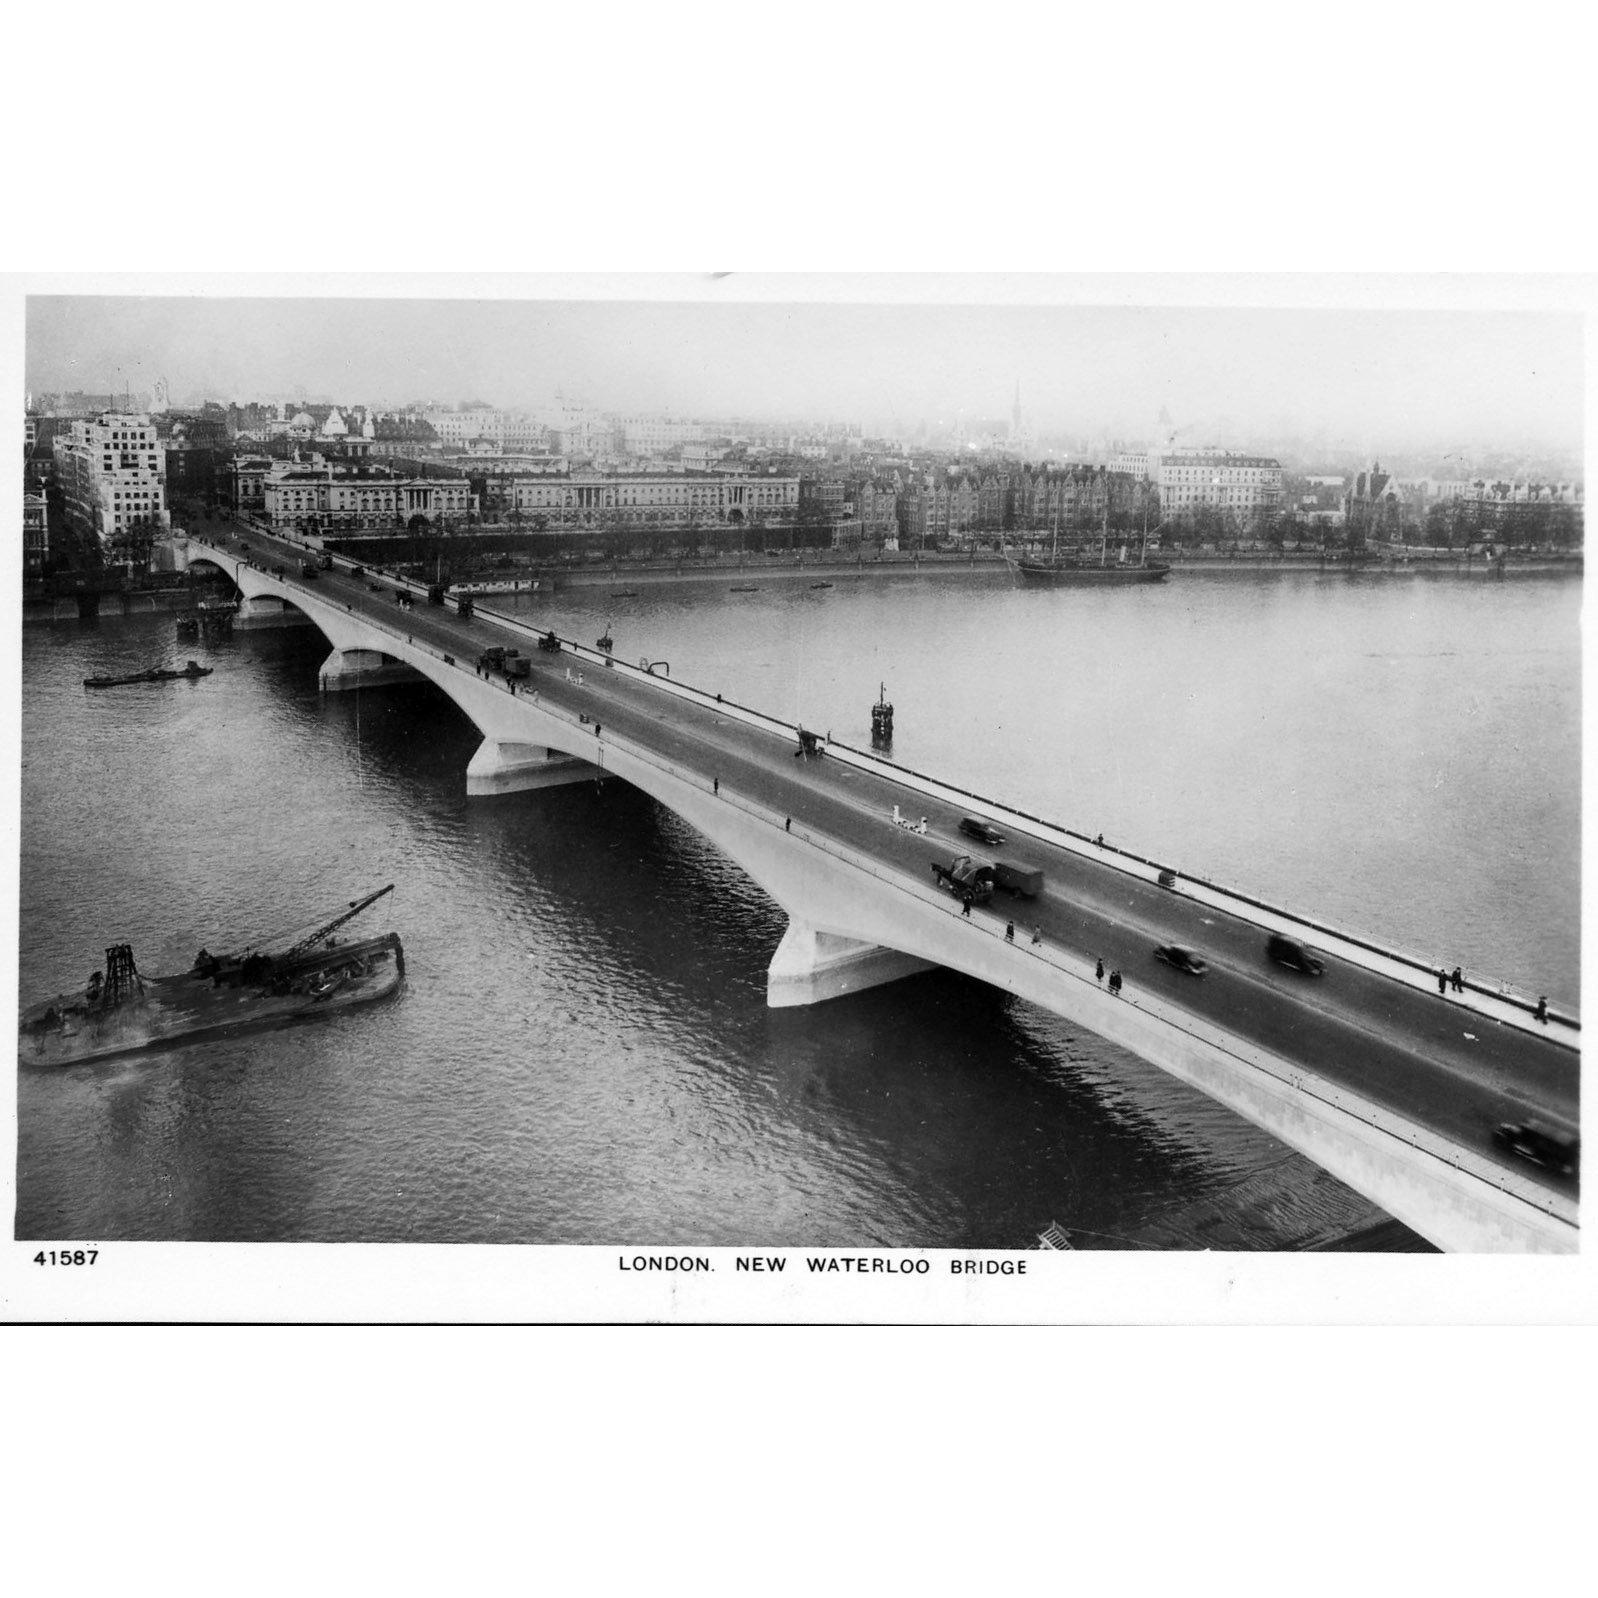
[575,500]
[1239,487]
[35,534]
[321,496]
[112,471]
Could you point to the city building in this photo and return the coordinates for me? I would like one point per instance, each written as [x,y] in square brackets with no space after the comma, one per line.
[1239,487]
[1373,506]
[35,534]
[112,471]
[327,496]
[587,499]
[243,482]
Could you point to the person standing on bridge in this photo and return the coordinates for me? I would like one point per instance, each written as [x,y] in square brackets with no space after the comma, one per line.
[1442,981]
[1458,979]
[1098,973]
[1009,932]
[1542,1009]
[965,904]
[1115,983]
[715,784]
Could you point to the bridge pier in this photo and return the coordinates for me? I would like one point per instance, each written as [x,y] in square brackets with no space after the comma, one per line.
[505,767]
[266,610]
[810,966]
[363,668]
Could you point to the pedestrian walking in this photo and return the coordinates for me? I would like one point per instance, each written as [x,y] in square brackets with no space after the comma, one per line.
[1037,936]
[965,904]
[1458,979]
[1098,973]
[1115,983]
[1542,1009]
[715,784]
[1099,840]
[1442,980]
[1009,932]
[787,826]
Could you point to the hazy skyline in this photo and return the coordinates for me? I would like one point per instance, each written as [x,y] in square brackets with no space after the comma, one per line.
[1388,378]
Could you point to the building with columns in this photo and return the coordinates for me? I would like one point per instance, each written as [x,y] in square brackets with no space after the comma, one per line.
[581,499]
[327,496]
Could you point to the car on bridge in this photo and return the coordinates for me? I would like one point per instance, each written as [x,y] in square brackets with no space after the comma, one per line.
[1540,1144]
[1181,959]
[974,827]
[1285,951]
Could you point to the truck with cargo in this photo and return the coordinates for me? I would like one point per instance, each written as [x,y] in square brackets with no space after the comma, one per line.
[1024,881]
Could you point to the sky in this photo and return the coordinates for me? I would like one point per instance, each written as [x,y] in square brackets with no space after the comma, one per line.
[1408,375]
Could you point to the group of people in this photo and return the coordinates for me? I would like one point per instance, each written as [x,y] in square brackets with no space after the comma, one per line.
[1455,980]
[1115,978]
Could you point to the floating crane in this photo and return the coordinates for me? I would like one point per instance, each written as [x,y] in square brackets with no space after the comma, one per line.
[312,939]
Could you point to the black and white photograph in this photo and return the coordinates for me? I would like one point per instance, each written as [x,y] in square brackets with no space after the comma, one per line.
[802,779]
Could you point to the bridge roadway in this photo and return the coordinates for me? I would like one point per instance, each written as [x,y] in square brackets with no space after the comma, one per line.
[1456,1065]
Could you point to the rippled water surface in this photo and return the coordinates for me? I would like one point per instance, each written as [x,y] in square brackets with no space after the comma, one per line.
[583,1052]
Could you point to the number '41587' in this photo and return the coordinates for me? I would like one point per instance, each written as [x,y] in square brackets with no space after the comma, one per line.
[67,1256]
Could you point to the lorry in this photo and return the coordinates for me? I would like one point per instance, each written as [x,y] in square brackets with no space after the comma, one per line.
[1024,881]
[965,878]
[517,664]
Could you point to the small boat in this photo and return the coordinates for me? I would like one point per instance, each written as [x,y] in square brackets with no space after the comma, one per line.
[189,673]
[821,585]
[747,588]
[122,1011]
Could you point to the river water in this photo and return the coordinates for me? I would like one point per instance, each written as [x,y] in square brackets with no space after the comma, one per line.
[583,1053]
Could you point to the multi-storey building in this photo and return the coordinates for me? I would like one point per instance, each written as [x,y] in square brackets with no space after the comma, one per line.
[656,435]
[582,499]
[1238,486]
[877,506]
[335,497]
[112,471]
[35,534]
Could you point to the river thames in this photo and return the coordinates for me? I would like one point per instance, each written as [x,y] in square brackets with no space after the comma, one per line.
[583,1053]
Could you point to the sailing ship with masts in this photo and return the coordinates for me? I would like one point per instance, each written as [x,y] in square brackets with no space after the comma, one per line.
[1076,567]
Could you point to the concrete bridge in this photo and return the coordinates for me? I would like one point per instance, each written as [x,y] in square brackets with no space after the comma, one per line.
[1393,1087]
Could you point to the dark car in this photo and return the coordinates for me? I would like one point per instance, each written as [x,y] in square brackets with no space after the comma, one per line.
[1284,951]
[1540,1144]
[1182,959]
[973,827]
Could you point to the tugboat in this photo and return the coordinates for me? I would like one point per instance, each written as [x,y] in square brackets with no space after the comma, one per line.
[121,1010]
[190,673]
